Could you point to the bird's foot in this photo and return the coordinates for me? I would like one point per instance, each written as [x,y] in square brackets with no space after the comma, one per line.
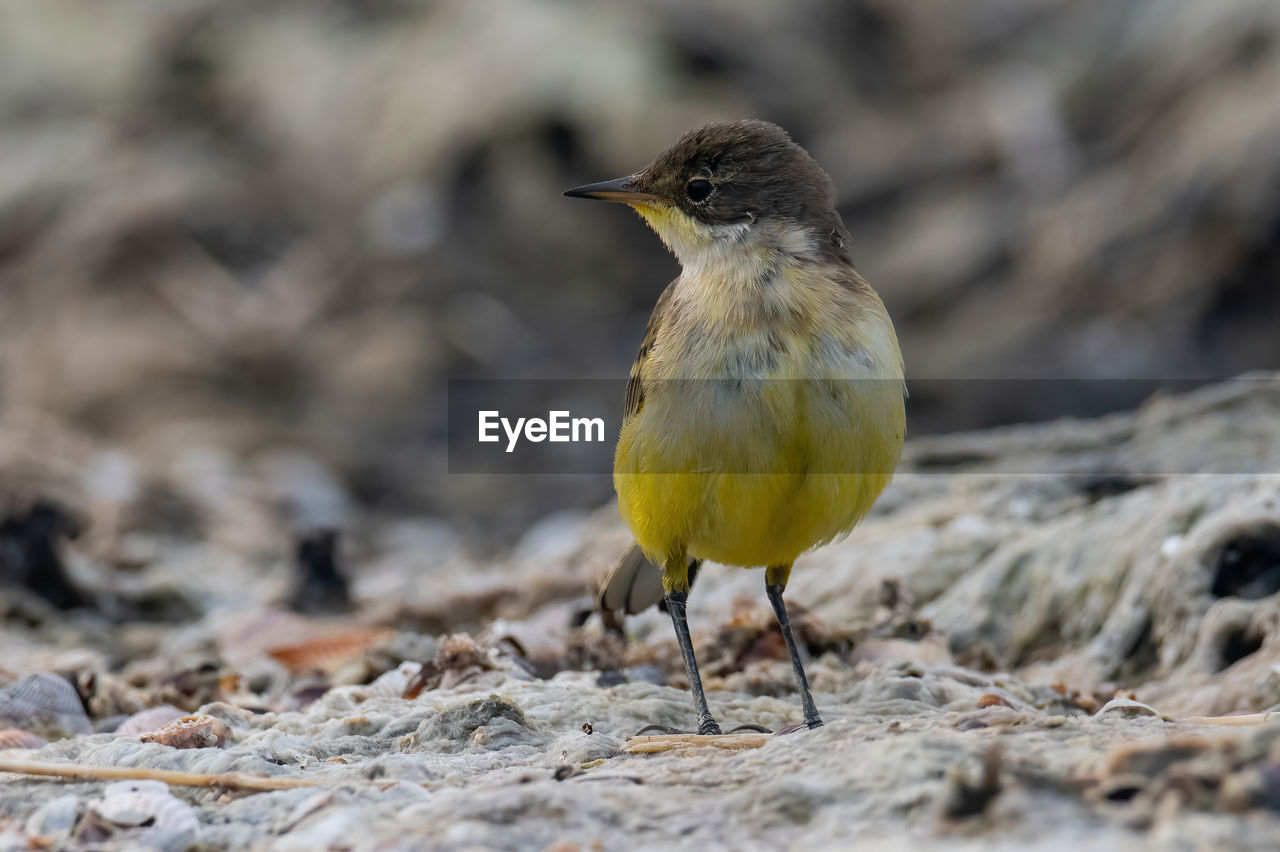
[658,729]
[707,728]
[791,729]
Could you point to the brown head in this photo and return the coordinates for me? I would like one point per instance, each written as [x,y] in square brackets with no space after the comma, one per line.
[743,181]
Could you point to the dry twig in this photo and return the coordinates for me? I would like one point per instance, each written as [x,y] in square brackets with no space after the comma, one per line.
[240,781]
[1238,720]
[670,742]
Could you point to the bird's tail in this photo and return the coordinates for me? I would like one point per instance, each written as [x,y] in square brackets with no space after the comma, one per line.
[635,583]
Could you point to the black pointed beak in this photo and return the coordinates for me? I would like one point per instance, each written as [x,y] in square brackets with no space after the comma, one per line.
[622,190]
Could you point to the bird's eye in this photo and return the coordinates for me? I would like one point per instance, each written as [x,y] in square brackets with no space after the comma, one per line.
[699,190]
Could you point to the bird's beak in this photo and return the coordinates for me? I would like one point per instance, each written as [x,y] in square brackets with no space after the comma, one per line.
[622,190]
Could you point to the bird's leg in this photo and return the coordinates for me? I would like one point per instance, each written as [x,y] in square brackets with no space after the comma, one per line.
[677,597]
[775,580]
[676,606]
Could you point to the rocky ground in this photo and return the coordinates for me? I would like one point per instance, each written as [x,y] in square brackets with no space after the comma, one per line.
[1036,641]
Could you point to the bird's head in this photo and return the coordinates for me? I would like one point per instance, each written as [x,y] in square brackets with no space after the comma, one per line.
[732,183]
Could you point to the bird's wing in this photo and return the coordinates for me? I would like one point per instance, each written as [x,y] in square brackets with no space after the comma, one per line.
[634,400]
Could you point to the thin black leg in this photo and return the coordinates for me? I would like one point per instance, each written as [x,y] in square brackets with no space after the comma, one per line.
[676,606]
[811,717]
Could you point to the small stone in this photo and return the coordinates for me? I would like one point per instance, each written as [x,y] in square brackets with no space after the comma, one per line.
[191,732]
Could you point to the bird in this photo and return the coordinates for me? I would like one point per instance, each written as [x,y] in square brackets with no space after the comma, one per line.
[765,410]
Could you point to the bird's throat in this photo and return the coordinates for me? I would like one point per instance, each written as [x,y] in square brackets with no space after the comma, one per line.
[738,273]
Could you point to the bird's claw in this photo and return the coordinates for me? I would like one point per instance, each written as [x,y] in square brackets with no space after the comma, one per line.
[660,729]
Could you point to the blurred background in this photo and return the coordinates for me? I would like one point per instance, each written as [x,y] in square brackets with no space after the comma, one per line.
[236,234]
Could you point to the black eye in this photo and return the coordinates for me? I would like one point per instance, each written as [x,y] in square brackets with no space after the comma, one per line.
[699,190]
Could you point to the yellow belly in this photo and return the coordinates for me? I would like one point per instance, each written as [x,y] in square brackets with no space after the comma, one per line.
[757,475]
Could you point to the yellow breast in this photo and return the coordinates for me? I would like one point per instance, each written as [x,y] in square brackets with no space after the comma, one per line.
[760,440]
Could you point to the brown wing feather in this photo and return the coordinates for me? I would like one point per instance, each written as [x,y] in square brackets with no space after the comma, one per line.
[634,400]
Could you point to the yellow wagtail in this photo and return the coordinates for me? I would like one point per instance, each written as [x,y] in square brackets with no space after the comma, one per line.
[764,411]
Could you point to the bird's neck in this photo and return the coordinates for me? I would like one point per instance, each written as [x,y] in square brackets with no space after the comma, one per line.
[759,280]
